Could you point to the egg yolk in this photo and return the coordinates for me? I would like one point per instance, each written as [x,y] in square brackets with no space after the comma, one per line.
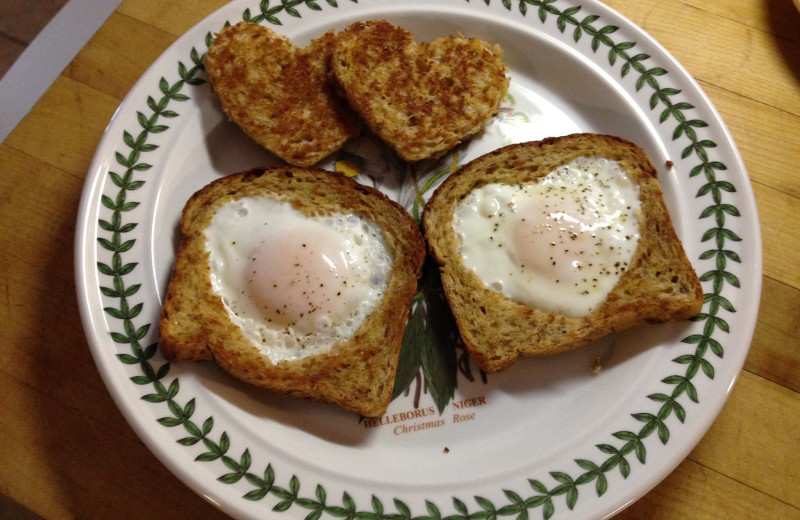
[555,243]
[298,279]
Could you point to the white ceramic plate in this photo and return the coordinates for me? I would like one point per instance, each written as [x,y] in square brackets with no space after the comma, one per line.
[546,438]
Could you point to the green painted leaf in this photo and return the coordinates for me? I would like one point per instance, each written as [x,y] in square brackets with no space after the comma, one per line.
[128,359]
[402,508]
[572,497]
[692,392]
[174,387]
[639,449]
[548,509]
[153,398]
[207,457]
[644,417]
[722,324]
[460,506]
[208,424]
[256,494]
[120,338]
[141,332]
[536,501]
[127,269]
[255,480]
[147,369]
[665,410]
[684,360]
[130,291]
[624,468]
[611,463]
[725,303]
[485,503]
[512,496]
[314,515]
[280,507]
[562,477]
[663,434]
[169,421]
[602,485]
[730,209]
[433,511]
[340,512]
[626,436]
[506,510]
[608,449]
[410,360]
[308,503]
[377,505]
[680,411]
[429,341]
[587,465]
[538,486]
[192,428]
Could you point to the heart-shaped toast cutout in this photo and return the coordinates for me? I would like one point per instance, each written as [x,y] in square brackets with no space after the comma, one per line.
[281,95]
[421,99]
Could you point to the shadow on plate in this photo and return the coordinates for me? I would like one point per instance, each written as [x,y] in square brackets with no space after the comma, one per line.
[323,420]
[230,150]
[631,350]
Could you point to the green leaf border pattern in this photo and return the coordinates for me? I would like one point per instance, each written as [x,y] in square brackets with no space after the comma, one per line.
[617,454]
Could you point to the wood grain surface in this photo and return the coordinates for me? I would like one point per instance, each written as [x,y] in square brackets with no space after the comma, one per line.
[67,452]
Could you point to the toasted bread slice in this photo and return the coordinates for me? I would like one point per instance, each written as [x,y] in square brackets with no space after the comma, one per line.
[357,373]
[422,99]
[659,285]
[279,94]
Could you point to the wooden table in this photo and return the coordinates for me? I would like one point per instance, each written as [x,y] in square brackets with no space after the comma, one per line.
[67,452]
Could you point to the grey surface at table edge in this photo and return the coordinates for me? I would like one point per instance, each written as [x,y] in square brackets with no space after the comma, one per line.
[47,55]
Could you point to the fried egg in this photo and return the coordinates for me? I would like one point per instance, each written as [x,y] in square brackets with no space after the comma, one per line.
[295,285]
[559,244]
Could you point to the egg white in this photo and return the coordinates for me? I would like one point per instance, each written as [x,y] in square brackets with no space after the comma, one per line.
[295,285]
[560,244]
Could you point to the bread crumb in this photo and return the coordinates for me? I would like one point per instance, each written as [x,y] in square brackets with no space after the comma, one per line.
[597,365]
[670,164]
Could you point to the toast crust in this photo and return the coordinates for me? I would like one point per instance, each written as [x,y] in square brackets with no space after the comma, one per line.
[421,99]
[282,96]
[357,374]
[660,284]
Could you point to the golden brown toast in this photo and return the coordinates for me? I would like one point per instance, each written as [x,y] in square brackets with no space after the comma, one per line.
[659,285]
[280,95]
[421,99]
[357,374]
